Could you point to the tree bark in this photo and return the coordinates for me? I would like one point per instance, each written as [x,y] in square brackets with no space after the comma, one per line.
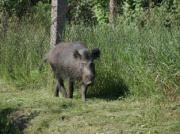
[112,10]
[58,15]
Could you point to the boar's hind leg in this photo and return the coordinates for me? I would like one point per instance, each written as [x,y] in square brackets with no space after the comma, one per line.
[56,90]
[71,88]
[60,86]
[62,89]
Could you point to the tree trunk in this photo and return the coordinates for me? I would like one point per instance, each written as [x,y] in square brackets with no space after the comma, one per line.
[58,15]
[112,10]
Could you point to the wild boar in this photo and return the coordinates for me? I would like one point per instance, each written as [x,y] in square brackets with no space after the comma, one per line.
[72,61]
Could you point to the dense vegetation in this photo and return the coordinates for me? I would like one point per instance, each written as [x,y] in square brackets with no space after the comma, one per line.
[140,58]
[91,12]
[144,61]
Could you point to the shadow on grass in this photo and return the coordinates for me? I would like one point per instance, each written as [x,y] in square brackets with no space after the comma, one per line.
[6,126]
[13,121]
[111,89]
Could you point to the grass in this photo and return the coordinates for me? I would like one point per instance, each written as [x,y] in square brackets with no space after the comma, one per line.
[37,111]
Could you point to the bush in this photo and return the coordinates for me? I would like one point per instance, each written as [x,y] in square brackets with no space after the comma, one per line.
[141,13]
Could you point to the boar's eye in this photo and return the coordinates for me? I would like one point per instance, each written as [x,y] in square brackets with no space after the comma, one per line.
[83,64]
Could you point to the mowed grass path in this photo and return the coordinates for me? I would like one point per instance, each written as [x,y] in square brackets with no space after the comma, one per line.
[37,111]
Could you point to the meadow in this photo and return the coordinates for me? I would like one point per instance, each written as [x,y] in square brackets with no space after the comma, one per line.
[136,89]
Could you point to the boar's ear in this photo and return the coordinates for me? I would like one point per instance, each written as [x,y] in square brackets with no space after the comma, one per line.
[95,53]
[76,54]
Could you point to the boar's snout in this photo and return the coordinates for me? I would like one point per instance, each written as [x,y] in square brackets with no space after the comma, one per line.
[89,79]
[88,73]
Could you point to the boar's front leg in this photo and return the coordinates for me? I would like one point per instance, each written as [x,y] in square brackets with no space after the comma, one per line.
[56,90]
[71,88]
[83,92]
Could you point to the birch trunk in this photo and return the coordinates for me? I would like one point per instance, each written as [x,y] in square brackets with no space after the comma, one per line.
[112,10]
[58,15]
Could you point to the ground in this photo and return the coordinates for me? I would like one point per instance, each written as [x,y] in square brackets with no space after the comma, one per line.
[37,111]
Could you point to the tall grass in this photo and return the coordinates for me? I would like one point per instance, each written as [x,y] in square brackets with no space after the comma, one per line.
[142,62]
[22,48]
